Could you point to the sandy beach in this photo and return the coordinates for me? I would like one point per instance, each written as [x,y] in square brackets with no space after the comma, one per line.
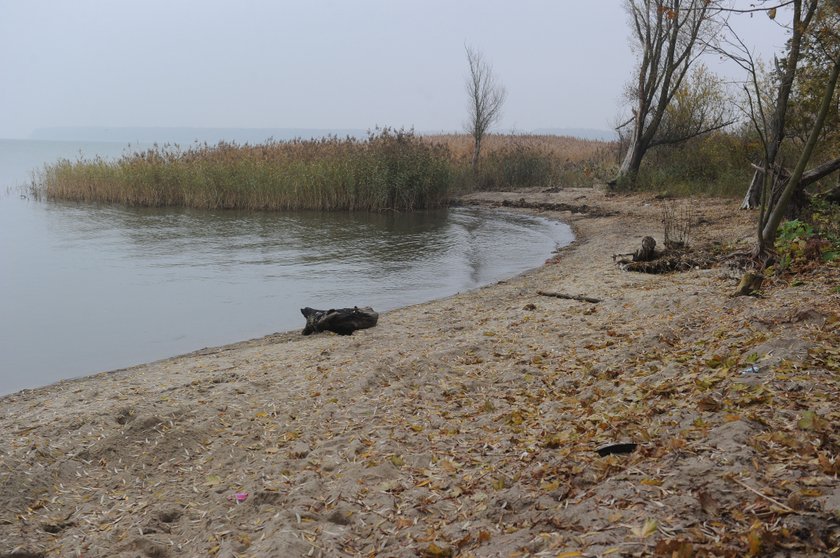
[467,426]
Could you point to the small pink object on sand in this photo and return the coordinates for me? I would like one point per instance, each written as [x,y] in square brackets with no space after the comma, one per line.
[240,497]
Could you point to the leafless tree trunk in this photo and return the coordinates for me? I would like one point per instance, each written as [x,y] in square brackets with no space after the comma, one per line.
[486,97]
[669,36]
[777,211]
[780,179]
[772,186]
[772,130]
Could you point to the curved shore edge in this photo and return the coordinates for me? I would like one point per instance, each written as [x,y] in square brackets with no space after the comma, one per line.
[464,426]
[554,234]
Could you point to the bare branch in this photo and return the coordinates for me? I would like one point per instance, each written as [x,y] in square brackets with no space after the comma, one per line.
[486,98]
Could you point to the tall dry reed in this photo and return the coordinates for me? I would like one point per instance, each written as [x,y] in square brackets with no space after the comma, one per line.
[389,170]
[511,161]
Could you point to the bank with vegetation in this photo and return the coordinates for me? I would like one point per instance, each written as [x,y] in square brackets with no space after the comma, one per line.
[388,170]
[391,170]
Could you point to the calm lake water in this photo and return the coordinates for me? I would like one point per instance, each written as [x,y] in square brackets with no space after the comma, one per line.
[86,288]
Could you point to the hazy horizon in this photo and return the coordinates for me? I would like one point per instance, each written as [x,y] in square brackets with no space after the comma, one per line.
[315,65]
[189,135]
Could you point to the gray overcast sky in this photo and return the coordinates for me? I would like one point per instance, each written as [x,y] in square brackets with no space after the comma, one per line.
[311,64]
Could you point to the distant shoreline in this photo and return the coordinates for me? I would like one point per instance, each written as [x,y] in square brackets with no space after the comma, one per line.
[190,135]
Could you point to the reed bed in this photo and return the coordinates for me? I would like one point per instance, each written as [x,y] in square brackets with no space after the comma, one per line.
[565,148]
[393,170]
[389,170]
[511,161]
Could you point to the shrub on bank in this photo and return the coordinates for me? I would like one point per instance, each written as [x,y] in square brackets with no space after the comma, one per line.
[717,164]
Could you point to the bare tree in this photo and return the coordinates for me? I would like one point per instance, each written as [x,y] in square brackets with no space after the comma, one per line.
[486,97]
[669,36]
[770,122]
[815,31]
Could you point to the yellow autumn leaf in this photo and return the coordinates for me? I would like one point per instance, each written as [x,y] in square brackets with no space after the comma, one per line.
[646,530]
[261,414]
[754,539]
[550,486]
[649,527]
[569,554]
[244,540]
[808,421]
[448,466]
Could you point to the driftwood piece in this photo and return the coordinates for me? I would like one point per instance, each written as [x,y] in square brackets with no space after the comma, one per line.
[647,252]
[672,260]
[648,260]
[580,298]
[343,321]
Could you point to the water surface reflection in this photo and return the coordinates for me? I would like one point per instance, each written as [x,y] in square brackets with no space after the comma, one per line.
[88,288]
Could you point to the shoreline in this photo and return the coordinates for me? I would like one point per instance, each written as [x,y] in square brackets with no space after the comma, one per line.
[466,424]
[198,348]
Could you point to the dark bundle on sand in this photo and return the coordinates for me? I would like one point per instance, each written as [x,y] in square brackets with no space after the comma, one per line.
[675,257]
[343,321]
[671,260]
